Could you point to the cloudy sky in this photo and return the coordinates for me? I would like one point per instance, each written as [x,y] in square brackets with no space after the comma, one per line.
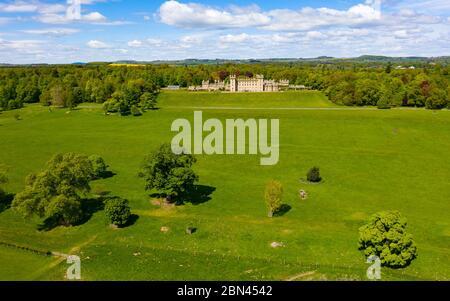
[67,31]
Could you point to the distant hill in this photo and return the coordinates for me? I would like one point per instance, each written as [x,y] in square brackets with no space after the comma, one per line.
[371,59]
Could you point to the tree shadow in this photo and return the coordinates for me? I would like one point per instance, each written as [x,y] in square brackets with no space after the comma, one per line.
[285,208]
[131,221]
[107,174]
[196,195]
[5,201]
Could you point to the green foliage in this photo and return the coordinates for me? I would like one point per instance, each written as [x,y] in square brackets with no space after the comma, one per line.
[99,167]
[64,210]
[56,192]
[135,111]
[148,101]
[118,211]
[121,88]
[273,196]
[385,236]
[313,175]
[168,173]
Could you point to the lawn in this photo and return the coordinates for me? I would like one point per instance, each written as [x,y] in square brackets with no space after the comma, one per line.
[371,160]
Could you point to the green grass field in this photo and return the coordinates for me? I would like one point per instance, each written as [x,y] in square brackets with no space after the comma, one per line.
[371,160]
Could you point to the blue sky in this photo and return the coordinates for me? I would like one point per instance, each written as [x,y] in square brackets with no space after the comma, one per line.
[50,31]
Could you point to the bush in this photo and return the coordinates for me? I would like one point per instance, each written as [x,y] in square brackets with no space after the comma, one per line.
[117,211]
[273,196]
[383,105]
[99,166]
[135,111]
[313,175]
[385,236]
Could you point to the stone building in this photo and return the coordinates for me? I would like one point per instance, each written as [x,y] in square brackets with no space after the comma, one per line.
[238,84]
[255,84]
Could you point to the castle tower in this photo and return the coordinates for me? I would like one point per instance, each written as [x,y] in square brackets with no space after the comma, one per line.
[260,82]
[233,83]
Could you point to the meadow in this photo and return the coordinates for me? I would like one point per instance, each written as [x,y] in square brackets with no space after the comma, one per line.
[371,160]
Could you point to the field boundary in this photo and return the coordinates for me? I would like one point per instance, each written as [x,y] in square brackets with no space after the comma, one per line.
[28,249]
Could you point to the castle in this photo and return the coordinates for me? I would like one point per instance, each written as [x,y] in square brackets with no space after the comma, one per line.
[237,84]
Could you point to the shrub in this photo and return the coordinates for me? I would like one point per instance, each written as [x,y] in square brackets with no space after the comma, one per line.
[135,111]
[99,166]
[382,104]
[273,196]
[385,236]
[313,175]
[117,211]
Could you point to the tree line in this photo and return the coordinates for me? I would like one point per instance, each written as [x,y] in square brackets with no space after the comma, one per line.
[134,89]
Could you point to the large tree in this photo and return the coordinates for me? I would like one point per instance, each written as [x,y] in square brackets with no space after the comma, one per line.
[167,173]
[385,236]
[56,192]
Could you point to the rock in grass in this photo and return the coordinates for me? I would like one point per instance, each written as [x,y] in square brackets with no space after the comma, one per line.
[276,244]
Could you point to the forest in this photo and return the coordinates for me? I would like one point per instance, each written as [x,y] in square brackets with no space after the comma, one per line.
[134,88]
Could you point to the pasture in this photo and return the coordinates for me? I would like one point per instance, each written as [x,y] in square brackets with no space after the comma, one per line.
[371,160]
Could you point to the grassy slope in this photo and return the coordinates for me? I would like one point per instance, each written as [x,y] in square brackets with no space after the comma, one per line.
[305,99]
[371,161]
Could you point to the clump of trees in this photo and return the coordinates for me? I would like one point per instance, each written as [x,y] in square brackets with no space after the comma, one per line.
[313,175]
[385,236]
[118,211]
[133,98]
[410,88]
[56,192]
[273,196]
[169,174]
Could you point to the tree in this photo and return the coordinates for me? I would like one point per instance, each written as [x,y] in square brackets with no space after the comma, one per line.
[273,196]
[385,236]
[56,192]
[388,68]
[99,167]
[437,99]
[148,101]
[168,173]
[313,175]
[117,211]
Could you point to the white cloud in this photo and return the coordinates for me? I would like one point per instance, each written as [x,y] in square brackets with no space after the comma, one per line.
[191,39]
[135,43]
[315,35]
[52,31]
[194,15]
[94,17]
[230,38]
[96,44]
[22,46]
[31,7]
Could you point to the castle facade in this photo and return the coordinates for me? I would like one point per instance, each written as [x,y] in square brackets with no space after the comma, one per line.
[237,84]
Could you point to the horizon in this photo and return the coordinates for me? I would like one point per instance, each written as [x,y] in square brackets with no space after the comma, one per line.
[238,60]
[63,32]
